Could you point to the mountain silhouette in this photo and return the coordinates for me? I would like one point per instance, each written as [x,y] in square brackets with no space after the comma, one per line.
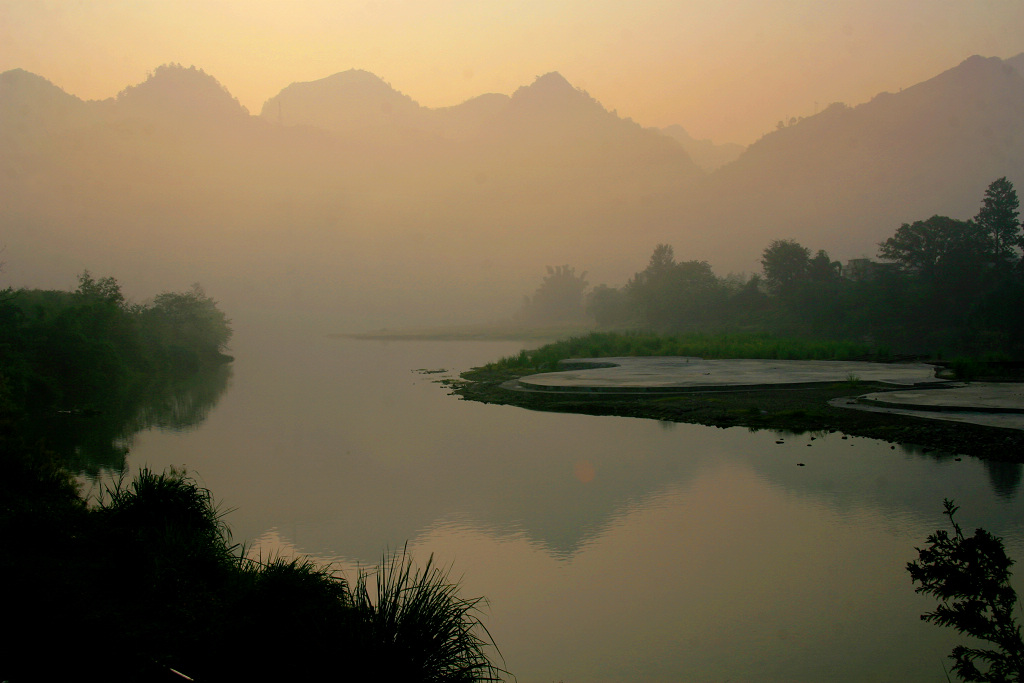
[846,178]
[348,197]
[349,102]
[25,96]
[174,93]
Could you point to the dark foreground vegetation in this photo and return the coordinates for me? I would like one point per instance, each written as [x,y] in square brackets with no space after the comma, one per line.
[146,581]
[142,582]
[970,576]
[88,349]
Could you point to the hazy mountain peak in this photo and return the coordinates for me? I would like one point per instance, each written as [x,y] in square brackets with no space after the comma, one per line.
[552,82]
[18,83]
[30,100]
[19,78]
[549,87]
[345,100]
[356,78]
[552,95]
[173,89]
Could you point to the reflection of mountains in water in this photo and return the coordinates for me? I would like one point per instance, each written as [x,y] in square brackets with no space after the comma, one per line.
[99,439]
[564,521]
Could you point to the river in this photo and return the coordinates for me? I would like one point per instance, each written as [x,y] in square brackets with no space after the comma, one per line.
[609,549]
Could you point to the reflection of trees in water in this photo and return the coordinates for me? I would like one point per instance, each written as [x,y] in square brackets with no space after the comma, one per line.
[1004,476]
[91,441]
[182,405]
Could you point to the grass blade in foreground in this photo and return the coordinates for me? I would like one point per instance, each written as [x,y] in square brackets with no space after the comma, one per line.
[419,629]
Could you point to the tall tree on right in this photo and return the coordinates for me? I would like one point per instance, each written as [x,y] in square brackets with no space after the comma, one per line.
[999,221]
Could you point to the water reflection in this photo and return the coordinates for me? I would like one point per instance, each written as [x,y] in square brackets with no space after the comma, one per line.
[1005,477]
[99,439]
[609,548]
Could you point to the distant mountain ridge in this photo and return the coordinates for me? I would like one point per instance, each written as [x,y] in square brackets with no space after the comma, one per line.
[176,92]
[845,178]
[348,101]
[705,153]
[343,186]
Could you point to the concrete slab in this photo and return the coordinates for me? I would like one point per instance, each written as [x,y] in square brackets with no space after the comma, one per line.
[985,403]
[994,404]
[993,397]
[645,374]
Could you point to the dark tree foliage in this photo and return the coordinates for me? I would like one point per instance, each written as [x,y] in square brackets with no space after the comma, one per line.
[671,295]
[970,576]
[105,290]
[76,350]
[926,247]
[942,295]
[609,307]
[559,298]
[998,220]
[786,263]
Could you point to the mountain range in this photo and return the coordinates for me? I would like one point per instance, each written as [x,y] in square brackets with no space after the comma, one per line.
[344,197]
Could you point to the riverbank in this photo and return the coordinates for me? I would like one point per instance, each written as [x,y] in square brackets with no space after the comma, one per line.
[778,408]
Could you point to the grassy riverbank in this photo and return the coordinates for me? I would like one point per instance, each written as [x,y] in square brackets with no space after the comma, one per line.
[783,409]
[747,345]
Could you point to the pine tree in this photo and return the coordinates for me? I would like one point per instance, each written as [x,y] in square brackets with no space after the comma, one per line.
[998,219]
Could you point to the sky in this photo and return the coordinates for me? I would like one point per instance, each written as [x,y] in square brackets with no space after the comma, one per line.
[727,70]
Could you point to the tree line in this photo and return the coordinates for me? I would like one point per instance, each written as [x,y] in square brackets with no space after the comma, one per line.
[941,286]
[73,351]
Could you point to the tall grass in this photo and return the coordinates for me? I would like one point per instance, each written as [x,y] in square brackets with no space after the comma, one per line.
[418,625]
[609,344]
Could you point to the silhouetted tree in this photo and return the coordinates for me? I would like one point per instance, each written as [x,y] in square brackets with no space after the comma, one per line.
[189,322]
[970,575]
[559,298]
[106,289]
[670,295]
[785,263]
[822,268]
[999,223]
[609,307]
[922,247]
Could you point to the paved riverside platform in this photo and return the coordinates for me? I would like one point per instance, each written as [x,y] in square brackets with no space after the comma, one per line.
[924,395]
[659,374]
[996,404]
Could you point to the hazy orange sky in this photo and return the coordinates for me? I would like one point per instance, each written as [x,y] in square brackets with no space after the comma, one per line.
[724,69]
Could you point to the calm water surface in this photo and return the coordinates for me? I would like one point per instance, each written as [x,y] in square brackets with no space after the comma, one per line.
[609,549]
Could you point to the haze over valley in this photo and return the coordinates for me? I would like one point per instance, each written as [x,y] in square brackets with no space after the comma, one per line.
[346,199]
[318,313]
